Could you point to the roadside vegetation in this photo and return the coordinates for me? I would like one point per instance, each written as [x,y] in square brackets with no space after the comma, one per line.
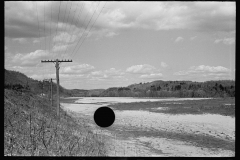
[31,128]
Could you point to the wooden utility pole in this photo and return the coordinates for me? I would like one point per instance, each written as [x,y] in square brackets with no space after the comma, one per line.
[50,89]
[42,89]
[46,80]
[57,77]
[51,93]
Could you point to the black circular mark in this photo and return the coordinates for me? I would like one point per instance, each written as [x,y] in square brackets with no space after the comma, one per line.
[104,117]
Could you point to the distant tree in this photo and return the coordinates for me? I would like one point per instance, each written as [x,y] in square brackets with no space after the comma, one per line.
[178,87]
[221,87]
[159,88]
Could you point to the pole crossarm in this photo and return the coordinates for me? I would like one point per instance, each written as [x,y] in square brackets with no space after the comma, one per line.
[46,80]
[49,80]
[44,61]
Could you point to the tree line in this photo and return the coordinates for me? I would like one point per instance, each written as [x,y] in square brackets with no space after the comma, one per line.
[174,89]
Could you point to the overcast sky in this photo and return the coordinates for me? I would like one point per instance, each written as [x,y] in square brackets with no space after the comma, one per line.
[115,44]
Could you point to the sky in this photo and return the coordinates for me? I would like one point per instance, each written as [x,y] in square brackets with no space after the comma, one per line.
[116,44]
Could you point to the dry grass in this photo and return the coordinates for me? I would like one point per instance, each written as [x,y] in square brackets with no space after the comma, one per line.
[31,128]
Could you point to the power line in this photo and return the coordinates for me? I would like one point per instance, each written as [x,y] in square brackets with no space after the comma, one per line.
[58,19]
[82,23]
[86,27]
[90,28]
[50,29]
[73,17]
[75,25]
[71,22]
[65,13]
[44,25]
[38,26]
[68,15]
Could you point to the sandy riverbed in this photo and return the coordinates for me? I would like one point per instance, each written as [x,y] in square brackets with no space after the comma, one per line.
[120,142]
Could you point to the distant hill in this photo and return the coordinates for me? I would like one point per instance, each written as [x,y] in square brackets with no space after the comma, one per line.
[159,88]
[94,92]
[221,88]
[78,92]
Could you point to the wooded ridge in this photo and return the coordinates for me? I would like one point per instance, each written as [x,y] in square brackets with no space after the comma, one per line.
[221,88]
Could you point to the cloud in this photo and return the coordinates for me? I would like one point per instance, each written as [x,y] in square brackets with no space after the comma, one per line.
[42,76]
[164,65]
[77,69]
[24,19]
[65,37]
[36,41]
[227,41]
[114,72]
[106,74]
[30,59]
[24,69]
[152,76]
[20,40]
[192,38]
[203,70]
[59,47]
[178,39]
[141,69]
[63,77]
[111,34]
[202,16]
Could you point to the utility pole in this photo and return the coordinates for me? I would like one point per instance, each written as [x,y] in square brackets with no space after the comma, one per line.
[51,89]
[51,93]
[42,89]
[56,62]
[47,80]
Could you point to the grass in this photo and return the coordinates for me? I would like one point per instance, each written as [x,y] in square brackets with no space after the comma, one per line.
[31,128]
[211,106]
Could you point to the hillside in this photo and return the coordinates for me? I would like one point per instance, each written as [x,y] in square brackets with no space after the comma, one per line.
[14,79]
[31,128]
[17,80]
